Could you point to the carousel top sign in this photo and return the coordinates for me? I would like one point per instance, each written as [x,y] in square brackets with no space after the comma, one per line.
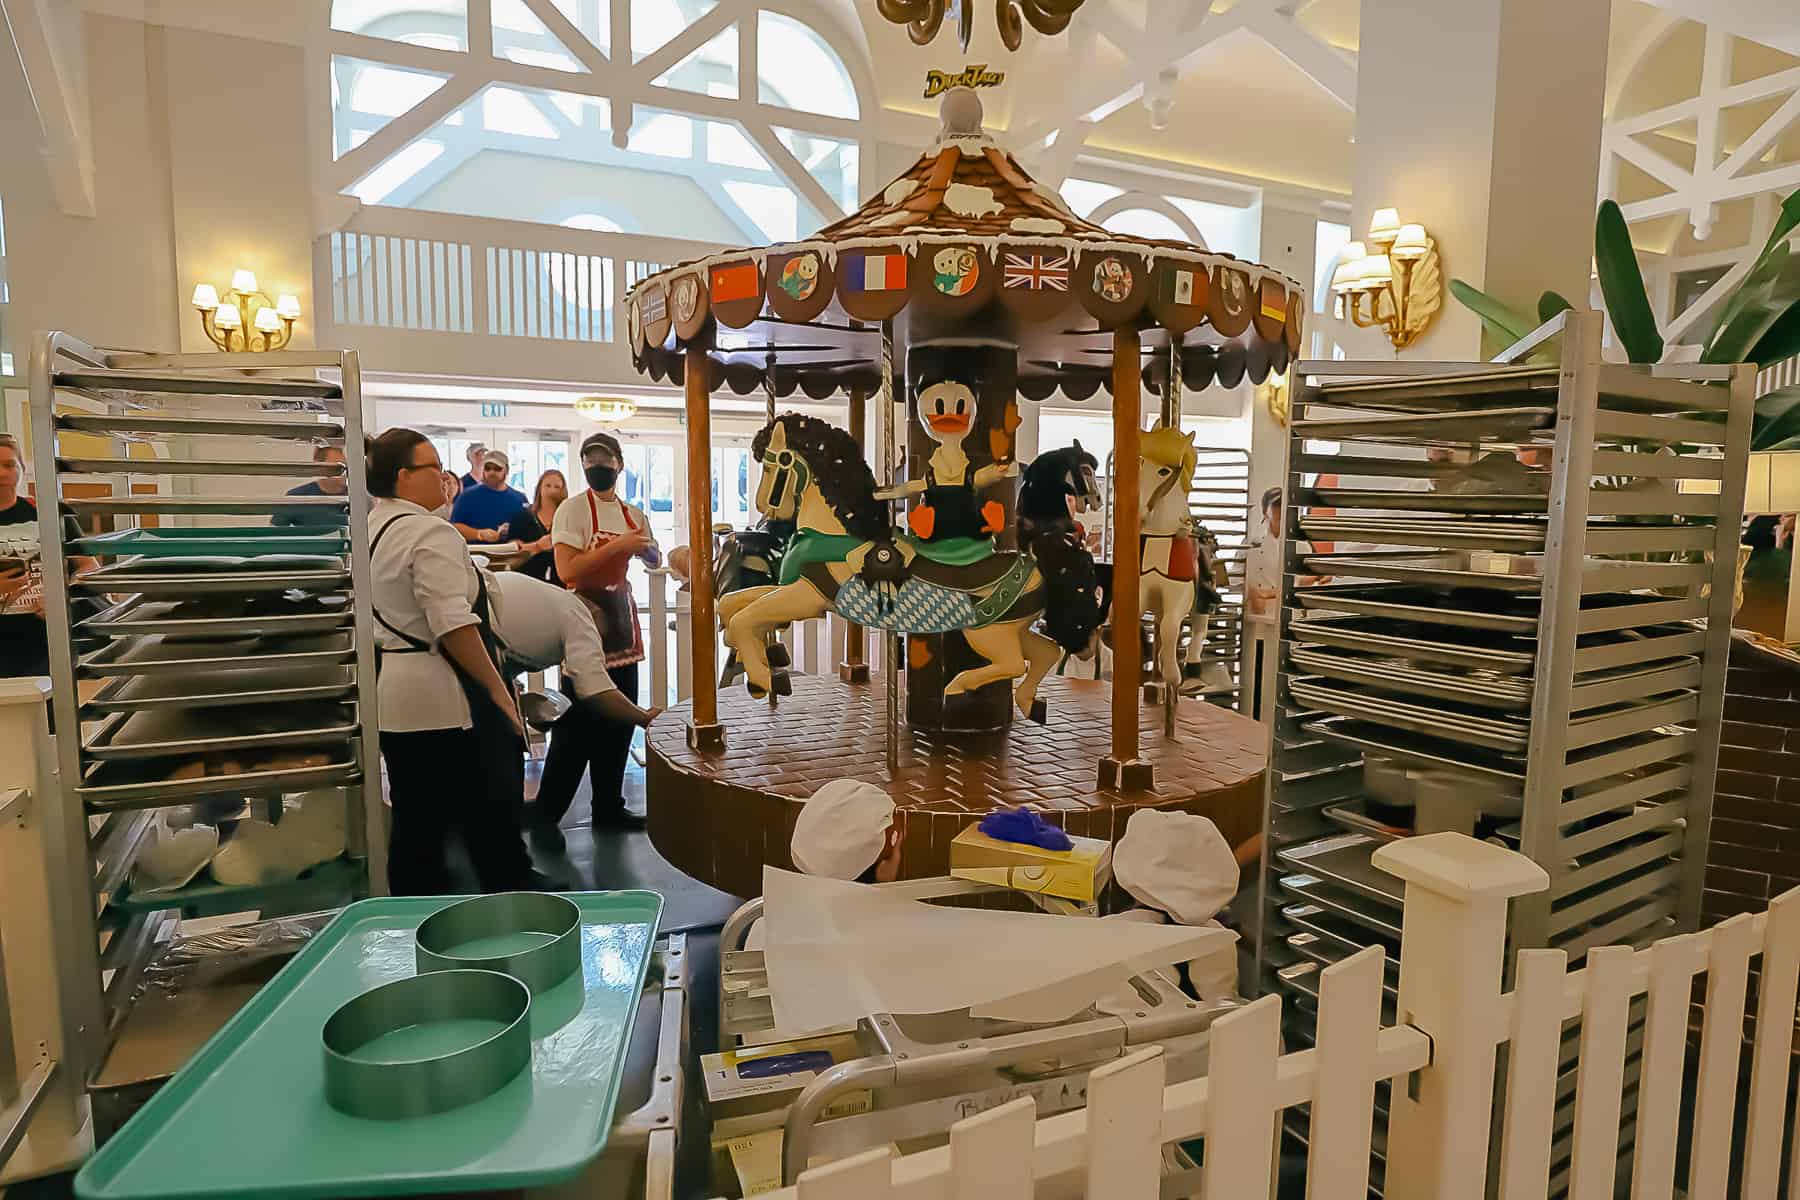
[964,240]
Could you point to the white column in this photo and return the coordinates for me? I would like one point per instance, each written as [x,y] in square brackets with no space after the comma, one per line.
[1483,124]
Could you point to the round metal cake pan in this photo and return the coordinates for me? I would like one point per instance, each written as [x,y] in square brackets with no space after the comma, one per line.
[394,1089]
[451,939]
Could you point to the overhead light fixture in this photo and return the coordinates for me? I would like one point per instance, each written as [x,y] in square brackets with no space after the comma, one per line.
[608,409]
[1393,282]
[270,320]
[923,18]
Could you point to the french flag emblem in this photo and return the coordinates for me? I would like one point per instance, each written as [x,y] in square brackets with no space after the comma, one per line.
[878,273]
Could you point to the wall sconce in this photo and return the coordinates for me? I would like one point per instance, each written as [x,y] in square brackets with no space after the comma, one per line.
[1398,288]
[223,321]
[606,409]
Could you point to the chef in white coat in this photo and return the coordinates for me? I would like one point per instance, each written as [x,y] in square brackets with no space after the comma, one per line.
[450,732]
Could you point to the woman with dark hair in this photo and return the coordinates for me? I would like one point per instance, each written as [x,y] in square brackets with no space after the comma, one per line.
[450,731]
[531,528]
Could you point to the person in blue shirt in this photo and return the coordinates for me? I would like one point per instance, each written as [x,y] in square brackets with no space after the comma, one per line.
[330,485]
[484,513]
[471,478]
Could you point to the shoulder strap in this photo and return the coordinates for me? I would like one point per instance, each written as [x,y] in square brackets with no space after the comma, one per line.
[593,512]
[414,645]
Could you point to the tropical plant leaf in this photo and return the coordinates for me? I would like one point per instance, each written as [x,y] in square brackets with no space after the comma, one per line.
[1623,286]
[1551,303]
[1785,223]
[1780,341]
[1777,420]
[1755,285]
[1738,340]
[1505,322]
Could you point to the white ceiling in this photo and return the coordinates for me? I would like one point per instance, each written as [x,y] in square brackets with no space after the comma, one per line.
[1772,22]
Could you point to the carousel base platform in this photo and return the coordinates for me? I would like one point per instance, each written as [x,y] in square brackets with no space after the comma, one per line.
[720,816]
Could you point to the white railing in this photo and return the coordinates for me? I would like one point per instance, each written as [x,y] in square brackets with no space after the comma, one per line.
[1785,373]
[530,301]
[1442,1057]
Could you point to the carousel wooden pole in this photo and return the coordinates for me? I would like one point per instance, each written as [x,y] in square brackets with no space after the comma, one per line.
[705,732]
[854,669]
[886,477]
[1122,769]
[1171,417]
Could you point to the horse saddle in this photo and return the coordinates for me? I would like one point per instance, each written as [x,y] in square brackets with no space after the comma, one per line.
[965,577]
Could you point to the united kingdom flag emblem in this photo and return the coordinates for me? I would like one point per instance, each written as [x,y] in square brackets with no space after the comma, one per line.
[1036,272]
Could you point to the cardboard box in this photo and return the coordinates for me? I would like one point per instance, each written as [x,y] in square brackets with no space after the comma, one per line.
[1079,874]
[758,1078]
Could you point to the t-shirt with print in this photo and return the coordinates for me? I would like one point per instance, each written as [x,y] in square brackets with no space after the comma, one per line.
[587,518]
[24,639]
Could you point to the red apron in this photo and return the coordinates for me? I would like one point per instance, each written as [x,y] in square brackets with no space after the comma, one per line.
[614,609]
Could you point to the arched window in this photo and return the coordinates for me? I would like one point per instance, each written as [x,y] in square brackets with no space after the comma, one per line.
[670,138]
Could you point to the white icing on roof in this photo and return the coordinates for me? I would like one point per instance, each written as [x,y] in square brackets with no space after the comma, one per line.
[899,190]
[1037,225]
[968,200]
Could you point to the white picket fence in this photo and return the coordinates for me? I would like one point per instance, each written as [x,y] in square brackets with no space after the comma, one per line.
[1455,1019]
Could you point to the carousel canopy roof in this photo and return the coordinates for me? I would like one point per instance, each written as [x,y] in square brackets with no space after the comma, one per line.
[964,246]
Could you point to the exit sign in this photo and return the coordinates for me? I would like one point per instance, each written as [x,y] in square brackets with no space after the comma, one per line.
[495,409]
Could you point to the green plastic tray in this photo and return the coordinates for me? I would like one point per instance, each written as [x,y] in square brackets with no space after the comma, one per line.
[245,541]
[247,1117]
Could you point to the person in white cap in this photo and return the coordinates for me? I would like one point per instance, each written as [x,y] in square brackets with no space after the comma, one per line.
[1182,870]
[847,831]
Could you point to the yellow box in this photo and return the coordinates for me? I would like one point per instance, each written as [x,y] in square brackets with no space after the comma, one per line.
[758,1078]
[1079,874]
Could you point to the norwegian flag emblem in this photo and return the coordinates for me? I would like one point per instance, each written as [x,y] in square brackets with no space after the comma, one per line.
[1037,272]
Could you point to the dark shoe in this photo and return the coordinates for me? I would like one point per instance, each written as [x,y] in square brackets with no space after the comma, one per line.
[546,836]
[537,881]
[620,821]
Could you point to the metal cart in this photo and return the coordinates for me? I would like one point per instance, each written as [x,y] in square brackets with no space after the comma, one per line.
[1526,641]
[926,1072]
[206,637]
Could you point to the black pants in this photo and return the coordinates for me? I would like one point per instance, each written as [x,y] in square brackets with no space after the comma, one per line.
[464,781]
[586,741]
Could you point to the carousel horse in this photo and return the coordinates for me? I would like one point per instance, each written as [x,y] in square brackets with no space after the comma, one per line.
[846,557]
[749,558]
[1169,564]
[1055,492]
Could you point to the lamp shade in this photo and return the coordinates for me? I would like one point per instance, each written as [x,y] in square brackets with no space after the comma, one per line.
[243,281]
[1411,244]
[206,297]
[605,408]
[266,320]
[1344,278]
[288,307]
[1377,271]
[1384,226]
[226,316]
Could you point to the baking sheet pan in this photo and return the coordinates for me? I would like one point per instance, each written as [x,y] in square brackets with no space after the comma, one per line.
[1456,427]
[1500,653]
[1489,733]
[129,785]
[1509,693]
[160,656]
[1436,502]
[1345,861]
[1379,918]
[298,428]
[172,733]
[1518,537]
[1416,750]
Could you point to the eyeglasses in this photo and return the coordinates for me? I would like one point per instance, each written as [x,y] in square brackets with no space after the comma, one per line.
[433,465]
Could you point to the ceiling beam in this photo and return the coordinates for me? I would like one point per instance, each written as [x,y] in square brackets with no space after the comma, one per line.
[1161,49]
[47,37]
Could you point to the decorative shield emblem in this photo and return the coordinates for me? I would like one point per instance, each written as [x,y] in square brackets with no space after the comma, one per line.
[1036,281]
[634,326]
[799,285]
[872,284]
[736,292]
[1113,286]
[953,279]
[1292,330]
[688,299]
[1231,302]
[1178,294]
[1271,310]
[653,305]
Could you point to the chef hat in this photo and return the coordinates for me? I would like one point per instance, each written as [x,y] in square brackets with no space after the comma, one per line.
[842,829]
[1176,862]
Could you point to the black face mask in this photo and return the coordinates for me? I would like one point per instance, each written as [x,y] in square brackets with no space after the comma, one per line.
[601,479]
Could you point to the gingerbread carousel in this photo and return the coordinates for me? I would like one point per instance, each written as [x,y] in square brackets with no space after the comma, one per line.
[965,289]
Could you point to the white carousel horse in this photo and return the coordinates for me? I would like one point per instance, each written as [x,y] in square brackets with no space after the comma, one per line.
[1169,564]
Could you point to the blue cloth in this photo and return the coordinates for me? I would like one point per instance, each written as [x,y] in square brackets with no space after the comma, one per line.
[308,516]
[484,508]
[1025,827]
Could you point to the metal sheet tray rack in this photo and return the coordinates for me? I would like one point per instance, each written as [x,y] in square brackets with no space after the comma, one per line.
[1507,597]
[206,640]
